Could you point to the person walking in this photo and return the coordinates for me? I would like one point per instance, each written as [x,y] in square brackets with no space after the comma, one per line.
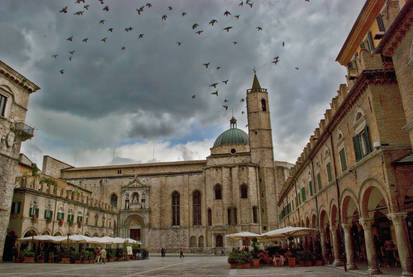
[97,258]
[181,253]
[103,255]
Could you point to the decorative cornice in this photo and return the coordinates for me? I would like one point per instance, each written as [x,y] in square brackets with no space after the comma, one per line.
[17,78]
[397,30]
[360,28]
[367,77]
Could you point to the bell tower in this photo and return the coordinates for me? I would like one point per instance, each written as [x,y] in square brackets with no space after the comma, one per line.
[262,154]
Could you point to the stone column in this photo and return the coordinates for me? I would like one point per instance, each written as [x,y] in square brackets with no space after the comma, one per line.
[348,243]
[403,245]
[370,250]
[337,260]
[323,245]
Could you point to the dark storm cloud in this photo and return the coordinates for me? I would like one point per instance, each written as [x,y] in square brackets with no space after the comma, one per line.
[145,92]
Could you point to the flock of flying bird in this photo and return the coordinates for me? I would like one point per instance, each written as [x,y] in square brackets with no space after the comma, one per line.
[82,8]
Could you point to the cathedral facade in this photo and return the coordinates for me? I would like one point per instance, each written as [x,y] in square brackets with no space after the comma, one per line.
[192,204]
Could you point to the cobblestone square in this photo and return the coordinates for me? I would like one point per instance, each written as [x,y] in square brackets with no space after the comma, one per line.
[168,266]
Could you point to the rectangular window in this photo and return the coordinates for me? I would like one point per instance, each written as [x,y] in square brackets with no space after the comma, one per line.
[255,214]
[13,207]
[3,100]
[310,185]
[303,194]
[343,160]
[362,146]
[229,216]
[370,41]
[19,205]
[380,23]
[329,175]
[319,181]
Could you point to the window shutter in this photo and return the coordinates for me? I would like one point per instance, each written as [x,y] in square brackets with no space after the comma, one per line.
[37,212]
[45,214]
[303,194]
[30,212]
[380,23]
[357,149]
[343,160]
[311,188]
[367,138]
[370,41]
[319,181]
[330,176]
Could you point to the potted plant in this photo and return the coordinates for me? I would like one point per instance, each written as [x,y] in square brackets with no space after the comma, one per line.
[51,257]
[28,256]
[290,258]
[65,258]
[111,254]
[76,257]
[308,258]
[86,257]
[255,253]
[318,259]
[245,259]
[119,254]
[40,258]
[144,253]
[233,259]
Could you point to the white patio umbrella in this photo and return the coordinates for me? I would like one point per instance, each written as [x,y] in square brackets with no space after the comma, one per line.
[287,232]
[243,235]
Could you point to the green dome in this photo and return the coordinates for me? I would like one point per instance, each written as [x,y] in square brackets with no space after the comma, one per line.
[232,136]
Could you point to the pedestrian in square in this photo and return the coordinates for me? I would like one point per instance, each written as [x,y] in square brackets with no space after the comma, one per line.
[103,255]
[181,253]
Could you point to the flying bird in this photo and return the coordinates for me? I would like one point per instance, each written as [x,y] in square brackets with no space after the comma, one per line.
[170,8]
[149,5]
[227,13]
[86,7]
[55,56]
[110,30]
[259,28]
[106,8]
[140,36]
[123,48]
[195,26]
[241,4]
[283,43]
[228,28]
[85,40]
[62,71]
[213,21]
[70,58]
[225,100]
[214,85]
[128,29]
[225,82]
[179,43]
[183,13]
[242,99]
[104,39]
[140,10]
[164,17]
[237,16]
[215,93]
[219,67]
[79,13]
[102,21]
[242,112]
[199,32]
[234,43]
[297,68]
[225,107]
[250,4]
[102,2]
[80,1]
[70,38]
[64,10]
[206,65]
[72,52]
[193,96]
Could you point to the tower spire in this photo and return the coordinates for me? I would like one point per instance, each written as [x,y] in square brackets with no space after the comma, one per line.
[255,83]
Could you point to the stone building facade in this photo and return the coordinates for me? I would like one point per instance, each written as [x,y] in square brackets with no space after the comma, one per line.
[353,180]
[191,204]
[43,205]
[15,90]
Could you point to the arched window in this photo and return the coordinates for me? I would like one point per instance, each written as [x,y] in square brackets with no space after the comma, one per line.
[114,200]
[175,208]
[209,217]
[255,214]
[244,191]
[201,241]
[135,197]
[218,192]
[219,241]
[263,105]
[196,207]
[192,241]
[96,219]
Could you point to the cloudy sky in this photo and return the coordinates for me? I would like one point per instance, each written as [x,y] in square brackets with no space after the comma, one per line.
[114,106]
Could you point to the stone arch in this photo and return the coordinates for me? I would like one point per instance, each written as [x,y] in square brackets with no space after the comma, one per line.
[358,115]
[307,222]
[324,219]
[192,241]
[314,220]
[333,204]
[372,194]
[133,225]
[349,205]
[46,232]
[30,232]
[57,234]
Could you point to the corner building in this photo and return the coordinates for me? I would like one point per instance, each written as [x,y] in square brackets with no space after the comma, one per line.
[353,180]
[193,204]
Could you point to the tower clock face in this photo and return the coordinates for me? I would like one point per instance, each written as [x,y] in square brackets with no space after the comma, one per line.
[10,139]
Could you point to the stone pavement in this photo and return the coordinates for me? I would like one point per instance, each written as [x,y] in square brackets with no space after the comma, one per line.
[168,266]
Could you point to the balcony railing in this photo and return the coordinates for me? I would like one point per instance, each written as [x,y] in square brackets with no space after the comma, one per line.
[23,131]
